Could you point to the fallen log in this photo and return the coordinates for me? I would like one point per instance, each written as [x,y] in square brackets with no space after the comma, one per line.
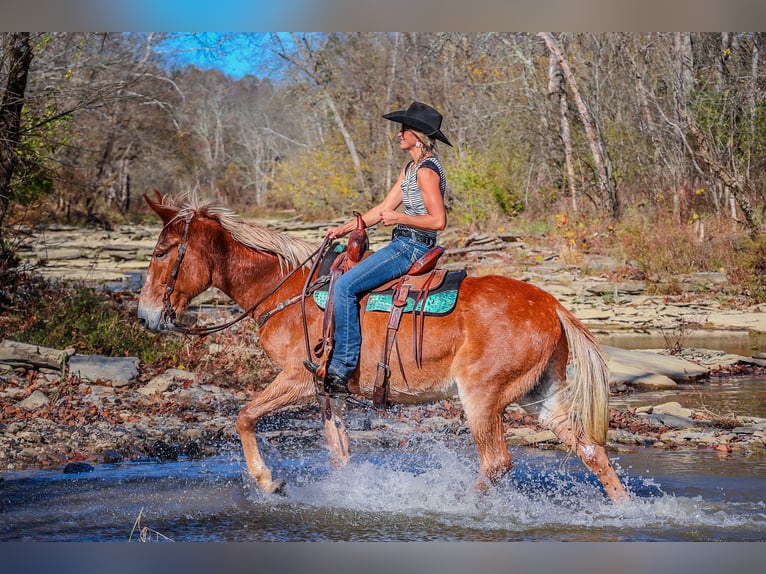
[14,352]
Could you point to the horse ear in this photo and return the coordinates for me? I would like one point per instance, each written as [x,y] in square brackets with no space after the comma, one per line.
[166,213]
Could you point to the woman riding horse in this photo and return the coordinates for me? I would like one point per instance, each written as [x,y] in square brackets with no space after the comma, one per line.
[420,187]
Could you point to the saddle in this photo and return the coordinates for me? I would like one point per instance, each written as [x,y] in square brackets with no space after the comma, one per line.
[410,293]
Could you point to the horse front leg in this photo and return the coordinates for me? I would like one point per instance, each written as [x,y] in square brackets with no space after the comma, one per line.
[334,413]
[287,388]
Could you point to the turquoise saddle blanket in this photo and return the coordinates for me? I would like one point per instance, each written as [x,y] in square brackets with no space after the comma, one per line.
[440,301]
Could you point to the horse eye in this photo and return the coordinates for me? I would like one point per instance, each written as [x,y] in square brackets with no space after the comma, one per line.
[160,255]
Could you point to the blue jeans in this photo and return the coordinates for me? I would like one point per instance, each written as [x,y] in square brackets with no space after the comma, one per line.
[390,262]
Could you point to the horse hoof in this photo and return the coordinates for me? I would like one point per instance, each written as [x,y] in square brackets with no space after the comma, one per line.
[482,487]
[277,487]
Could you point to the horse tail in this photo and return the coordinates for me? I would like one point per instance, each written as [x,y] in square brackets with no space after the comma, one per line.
[588,386]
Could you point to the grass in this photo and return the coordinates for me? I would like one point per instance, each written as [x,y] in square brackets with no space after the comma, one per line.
[40,312]
[144,533]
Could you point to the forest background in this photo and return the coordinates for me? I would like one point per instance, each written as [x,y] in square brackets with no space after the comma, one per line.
[648,145]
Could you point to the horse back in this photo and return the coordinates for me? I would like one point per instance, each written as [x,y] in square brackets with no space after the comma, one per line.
[499,324]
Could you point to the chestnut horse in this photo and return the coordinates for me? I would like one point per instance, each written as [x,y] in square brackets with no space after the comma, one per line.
[505,341]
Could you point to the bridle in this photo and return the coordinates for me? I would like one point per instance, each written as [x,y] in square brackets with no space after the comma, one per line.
[169,314]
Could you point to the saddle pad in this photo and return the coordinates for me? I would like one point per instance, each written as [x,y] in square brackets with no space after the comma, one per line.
[440,301]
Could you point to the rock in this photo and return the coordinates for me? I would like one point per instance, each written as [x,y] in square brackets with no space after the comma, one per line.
[110,456]
[632,362]
[611,289]
[682,436]
[674,409]
[34,401]
[63,253]
[594,314]
[639,377]
[78,467]
[622,436]
[120,371]
[166,381]
[541,436]
[672,421]
[34,355]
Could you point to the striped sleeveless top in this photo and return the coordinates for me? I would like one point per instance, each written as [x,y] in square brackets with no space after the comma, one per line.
[412,197]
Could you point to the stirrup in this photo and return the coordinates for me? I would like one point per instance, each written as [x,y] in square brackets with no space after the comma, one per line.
[334,384]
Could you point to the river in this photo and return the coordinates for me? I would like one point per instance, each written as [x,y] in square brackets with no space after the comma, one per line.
[419,492]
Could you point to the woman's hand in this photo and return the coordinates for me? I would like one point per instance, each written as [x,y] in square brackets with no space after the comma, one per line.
[337,232]
[390,217]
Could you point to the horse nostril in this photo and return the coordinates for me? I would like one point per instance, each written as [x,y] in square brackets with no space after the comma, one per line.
[142,322]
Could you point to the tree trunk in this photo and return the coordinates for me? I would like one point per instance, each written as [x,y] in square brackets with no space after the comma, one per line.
[752,101]
[556,88]
[19,55]
[732,183]
[606,188]
[393,71]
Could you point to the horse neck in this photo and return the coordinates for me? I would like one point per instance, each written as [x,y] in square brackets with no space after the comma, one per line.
[249,276]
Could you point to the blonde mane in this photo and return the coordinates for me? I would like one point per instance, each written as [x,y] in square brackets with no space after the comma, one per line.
[290,251]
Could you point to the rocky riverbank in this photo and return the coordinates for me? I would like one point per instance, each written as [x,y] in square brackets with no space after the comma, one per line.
[104,410]
[62,410]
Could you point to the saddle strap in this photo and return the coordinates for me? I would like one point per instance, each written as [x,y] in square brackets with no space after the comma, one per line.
[324,347]
[380,389]
[420,317]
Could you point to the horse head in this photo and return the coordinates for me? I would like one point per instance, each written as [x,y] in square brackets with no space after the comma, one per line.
[167,290]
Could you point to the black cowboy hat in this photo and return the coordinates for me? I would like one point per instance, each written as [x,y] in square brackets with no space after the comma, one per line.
[420,117]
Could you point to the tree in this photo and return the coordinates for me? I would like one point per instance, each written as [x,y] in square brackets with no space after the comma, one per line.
[314,64]
[17,58]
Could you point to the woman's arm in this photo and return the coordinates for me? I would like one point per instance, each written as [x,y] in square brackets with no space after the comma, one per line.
[436,219]
[391,202]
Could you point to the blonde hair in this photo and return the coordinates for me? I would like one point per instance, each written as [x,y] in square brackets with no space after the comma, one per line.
[428,144]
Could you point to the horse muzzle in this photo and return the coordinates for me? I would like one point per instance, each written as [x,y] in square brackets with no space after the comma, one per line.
[153,320]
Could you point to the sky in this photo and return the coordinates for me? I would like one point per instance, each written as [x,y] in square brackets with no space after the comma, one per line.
[235,54]
[382,15]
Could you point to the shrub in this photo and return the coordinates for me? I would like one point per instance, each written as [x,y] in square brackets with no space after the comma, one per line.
[39,312]
[750,272]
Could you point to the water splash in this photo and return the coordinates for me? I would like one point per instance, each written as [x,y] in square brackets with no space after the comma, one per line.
[547,496]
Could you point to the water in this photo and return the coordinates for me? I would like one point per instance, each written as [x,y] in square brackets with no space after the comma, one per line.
[739,342]
[420,492]
[722,397]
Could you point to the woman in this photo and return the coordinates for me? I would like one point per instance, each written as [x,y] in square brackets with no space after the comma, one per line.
[420,187]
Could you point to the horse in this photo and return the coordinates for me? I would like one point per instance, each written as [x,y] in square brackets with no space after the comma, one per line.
[506,340]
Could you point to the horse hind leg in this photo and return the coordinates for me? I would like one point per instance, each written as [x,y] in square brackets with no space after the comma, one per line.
[555,417]
[485,420]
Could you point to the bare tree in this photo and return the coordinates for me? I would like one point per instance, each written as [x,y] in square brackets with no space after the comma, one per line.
[311,62]
[606,185]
